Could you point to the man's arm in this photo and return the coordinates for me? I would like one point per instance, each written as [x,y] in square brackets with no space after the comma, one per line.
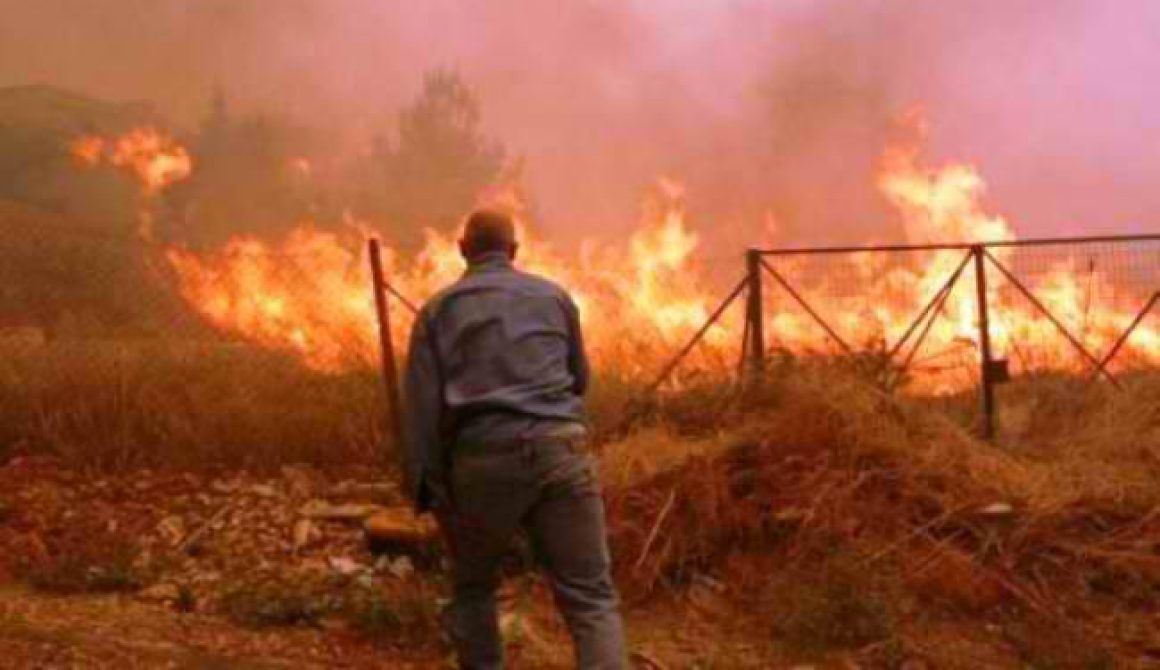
[577,356]
[421,452]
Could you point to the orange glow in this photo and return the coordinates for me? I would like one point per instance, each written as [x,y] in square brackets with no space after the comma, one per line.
[153,157]
[309,295]
[88,150]
[301,166]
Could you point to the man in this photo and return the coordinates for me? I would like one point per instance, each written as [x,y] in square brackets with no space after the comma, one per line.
[495,423]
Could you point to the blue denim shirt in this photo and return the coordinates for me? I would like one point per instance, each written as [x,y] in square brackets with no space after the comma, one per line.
[497,355]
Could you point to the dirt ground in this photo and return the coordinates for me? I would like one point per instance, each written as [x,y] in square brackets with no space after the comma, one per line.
[247,570]
[197,539]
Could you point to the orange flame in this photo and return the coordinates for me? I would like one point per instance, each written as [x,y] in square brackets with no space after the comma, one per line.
[153,157]
[309,296]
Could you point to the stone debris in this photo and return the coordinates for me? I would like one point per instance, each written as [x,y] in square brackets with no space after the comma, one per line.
[160,593]
[400,526]
[344,565]
[264,491]
[211,532]
[321,510]
[401,567]
[304,534]
[173,529]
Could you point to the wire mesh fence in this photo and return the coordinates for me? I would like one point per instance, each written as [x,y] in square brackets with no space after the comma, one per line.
[948,318]
[1080,307]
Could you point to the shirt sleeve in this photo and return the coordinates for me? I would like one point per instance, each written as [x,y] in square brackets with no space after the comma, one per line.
[422,407]
[577,356]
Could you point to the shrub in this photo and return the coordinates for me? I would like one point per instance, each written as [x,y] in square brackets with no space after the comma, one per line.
[407,614]
[79,560]
[831,607]
[274,601]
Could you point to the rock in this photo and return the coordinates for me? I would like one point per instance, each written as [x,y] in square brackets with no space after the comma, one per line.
[351,512]
[401,567]
[998,509]
[344,565]
[172,528]
[264,490]
[301,480]
[399,526]
[303,534]
[221,486]
[160,593]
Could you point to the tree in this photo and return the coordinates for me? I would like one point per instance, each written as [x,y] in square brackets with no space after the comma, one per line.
[440,161]
[244,180]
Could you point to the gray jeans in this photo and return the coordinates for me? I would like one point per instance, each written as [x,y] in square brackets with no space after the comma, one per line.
[550,490]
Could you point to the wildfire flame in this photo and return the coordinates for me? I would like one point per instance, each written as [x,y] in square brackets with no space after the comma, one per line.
[153,157]
[309,295]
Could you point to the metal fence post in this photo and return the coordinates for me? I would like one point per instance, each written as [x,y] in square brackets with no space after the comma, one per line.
[754,314]
[390,372]
[986,367]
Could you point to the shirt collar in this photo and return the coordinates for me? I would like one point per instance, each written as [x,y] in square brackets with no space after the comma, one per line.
[489,262]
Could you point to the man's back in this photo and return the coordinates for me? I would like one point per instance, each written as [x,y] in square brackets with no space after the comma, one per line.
[509,347]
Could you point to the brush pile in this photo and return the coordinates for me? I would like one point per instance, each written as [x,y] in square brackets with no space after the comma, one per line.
[818,469]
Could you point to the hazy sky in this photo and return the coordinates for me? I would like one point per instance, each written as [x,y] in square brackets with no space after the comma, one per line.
[756,105]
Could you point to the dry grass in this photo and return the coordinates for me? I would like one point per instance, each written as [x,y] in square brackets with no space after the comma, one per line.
[125,404]
[152,403]
[1061,513]
[815,472]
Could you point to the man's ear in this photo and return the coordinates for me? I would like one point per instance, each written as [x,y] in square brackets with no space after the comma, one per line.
[514,249]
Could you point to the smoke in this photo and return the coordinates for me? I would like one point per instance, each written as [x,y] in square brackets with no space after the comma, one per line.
[772,114]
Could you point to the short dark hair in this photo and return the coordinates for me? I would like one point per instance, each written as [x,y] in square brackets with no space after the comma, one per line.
[487,231]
